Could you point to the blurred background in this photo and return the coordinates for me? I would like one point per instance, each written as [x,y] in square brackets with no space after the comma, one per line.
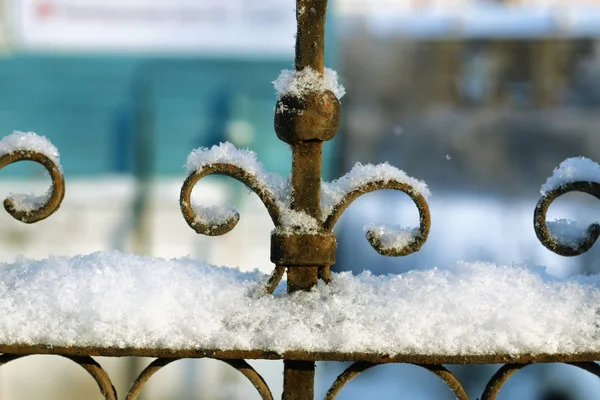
[482,99]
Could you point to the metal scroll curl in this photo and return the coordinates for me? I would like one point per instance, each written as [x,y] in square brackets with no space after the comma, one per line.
[201,225]
[246,369]
[357,368]
[505,372]
[374,237]
[541,226]
[44,206]
[87,363]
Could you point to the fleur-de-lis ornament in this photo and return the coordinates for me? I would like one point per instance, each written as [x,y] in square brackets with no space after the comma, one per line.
[302,243]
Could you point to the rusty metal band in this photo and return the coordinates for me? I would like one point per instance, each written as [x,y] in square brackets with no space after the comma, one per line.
[55,195]
[87,363]
[505,372]
[242,366]
[357,368]
[541,227]
[299,250]
[416,197]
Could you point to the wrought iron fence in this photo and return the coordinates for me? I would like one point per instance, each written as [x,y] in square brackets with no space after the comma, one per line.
[304,123]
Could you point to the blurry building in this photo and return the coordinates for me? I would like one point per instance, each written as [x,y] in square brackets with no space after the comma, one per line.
[83,73]
[486,83]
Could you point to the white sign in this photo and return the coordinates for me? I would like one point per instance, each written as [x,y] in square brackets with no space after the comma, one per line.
[247,27]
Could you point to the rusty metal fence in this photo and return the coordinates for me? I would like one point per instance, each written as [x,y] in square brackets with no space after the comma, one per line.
[304,123]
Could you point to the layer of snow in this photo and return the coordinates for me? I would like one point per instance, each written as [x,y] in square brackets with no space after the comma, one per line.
[300,83]
[296,222]
[113,299]
[392,237]
[29,202]
[30,141]
[572,170]
[567,232]
[227,153]
[213,215]
[360,175]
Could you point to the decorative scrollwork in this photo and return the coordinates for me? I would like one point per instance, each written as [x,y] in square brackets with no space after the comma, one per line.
[505,372]
[373,237]
[216,229]
[355,369]
[225,223]
[43,207]
[246,369]
[541,226]
[87,363]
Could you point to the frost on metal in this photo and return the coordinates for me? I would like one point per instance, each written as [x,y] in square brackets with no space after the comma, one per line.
[572,170]
[301,83]
[296,222]
[29,141]
[128,301]
[29,202]
[567,232]
[290,221]
[213,215]
[361,175]
[393,237]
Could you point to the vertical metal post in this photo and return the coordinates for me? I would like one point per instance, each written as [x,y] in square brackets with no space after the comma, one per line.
[299,376]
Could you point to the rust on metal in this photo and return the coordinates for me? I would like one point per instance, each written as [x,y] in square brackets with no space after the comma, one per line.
[505,372]
[54,197]
[325,273]
[298,380]
[416,197]
[235,172]
[350,373]
[299,355]
[307,147]
[310,37]
[541,227]
[357,368]
[87,363]
[315,116]
[246,369]
[274,279]
[300,250]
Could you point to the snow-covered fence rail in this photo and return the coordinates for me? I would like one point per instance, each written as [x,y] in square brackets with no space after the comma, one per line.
[111,304]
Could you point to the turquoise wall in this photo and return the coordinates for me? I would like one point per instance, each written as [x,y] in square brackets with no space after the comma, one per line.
[93,108]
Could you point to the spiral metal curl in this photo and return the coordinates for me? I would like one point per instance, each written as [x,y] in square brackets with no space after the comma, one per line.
[505,372]
[246,369]
[541,227]
[56,193]
[87,363]
[372,236]
[235,172]
[358,367]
